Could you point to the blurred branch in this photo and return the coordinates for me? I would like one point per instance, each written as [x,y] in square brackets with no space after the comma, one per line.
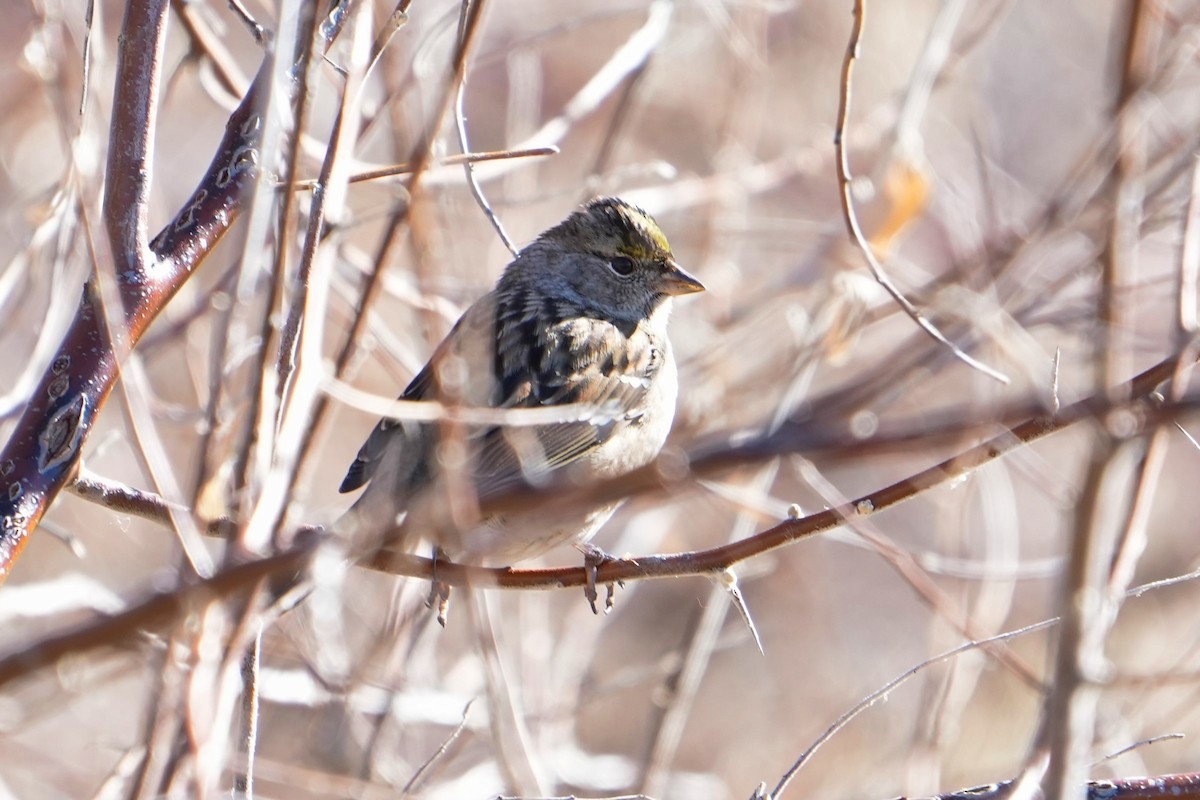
[161,610]
[243,782]
[672,472]
[203,43]
[454,160]
[1184,786]
[124,499]
[299,359]
[268,221]
[1090,597]
[1189,258]
[926,74]
[626,61]
[419,160]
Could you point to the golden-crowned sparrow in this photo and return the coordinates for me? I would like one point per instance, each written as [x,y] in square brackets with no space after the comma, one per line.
[578,317]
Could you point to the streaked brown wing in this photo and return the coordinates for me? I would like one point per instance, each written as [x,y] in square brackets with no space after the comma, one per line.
[577,361]
[473,339]
[580,361]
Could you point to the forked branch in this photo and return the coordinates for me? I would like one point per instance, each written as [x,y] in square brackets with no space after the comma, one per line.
[43,453]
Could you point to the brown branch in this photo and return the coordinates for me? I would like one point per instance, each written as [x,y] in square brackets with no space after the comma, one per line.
[673,472]
[836,447]
[892,685]
[43,452]
[1183,786]
[1089,604]
[453,160]
[419,160]
[135,115]
[161,610]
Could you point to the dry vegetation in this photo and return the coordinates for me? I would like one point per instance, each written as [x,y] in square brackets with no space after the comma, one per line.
[1027,174]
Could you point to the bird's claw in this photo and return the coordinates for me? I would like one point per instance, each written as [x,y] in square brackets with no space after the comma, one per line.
[439,591]
[439,600]
[593,558]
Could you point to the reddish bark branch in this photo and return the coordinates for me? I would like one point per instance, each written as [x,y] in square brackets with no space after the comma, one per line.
[1184,786]
[43,452]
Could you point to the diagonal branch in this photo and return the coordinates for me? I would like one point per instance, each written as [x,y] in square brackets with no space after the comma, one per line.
[286,569]
[43,452]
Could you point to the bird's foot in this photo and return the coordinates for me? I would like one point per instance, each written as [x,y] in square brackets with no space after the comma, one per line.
[593,558]
[439,591]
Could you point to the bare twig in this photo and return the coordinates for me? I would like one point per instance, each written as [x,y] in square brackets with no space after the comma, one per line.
[845,181]
[1166,737]
[1189,258]
[1185,786]
[415,781]
[460,124]
[454,160]
[883,691]
[243,784]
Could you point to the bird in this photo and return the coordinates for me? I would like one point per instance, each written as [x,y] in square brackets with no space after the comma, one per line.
[577,320]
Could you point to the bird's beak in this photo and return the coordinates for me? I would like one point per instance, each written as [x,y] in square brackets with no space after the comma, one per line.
[676,280]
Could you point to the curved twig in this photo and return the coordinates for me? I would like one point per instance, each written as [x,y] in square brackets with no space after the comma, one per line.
[851,217]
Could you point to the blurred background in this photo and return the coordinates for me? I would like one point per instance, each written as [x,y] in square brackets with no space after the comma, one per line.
[993,146]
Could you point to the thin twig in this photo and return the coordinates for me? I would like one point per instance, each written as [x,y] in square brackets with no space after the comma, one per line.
[88,15]
[415,781]
[243,783]
[1189,257]
[700,647]
[883,691]
[460,124]
[448,161]
[1166,737]
[845,182]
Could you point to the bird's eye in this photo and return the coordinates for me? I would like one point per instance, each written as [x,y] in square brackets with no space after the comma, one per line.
[622,265]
